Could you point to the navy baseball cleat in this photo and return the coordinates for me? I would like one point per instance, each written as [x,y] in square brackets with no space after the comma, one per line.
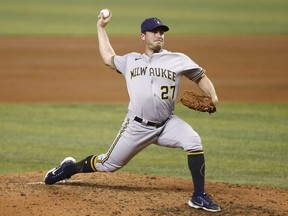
[203,201]
[57,174]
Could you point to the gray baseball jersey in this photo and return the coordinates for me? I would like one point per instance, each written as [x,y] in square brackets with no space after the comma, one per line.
[153,85]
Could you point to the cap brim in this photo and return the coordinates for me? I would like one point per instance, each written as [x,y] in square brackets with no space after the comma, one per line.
[163,27]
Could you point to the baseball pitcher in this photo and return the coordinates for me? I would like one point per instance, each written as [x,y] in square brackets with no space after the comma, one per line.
[152,80]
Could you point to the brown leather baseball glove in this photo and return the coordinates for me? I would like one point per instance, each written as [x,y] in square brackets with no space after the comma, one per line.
[201,103]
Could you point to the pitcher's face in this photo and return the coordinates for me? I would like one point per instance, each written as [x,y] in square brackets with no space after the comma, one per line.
[154,40]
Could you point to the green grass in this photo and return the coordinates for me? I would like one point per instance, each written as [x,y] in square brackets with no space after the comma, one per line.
[243,143]
[205,17]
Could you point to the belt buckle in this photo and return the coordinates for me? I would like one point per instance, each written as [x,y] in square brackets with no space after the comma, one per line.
[148,123]
[144,122]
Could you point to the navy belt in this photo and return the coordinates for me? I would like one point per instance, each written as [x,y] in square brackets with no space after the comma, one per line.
[153,124]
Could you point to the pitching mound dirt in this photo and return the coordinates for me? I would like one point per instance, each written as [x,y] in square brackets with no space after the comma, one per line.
[129,194]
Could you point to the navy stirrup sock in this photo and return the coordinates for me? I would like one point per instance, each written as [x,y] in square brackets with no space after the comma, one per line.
[196,163]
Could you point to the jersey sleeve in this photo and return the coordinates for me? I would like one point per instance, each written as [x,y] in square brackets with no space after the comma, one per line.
[120,63]
[194,74]
[190,69]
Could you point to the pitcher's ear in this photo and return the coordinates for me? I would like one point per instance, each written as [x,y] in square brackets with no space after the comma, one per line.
[142,35]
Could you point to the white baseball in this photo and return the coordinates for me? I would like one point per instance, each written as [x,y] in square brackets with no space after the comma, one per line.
[105,12]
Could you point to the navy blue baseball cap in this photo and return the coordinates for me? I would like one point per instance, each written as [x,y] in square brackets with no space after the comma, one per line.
[153,23]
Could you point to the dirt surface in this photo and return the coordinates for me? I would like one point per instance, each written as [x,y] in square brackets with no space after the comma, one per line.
[59,69]
[71,70]
[129,194]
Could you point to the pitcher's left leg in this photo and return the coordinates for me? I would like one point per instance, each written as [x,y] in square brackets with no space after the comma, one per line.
[178,133]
